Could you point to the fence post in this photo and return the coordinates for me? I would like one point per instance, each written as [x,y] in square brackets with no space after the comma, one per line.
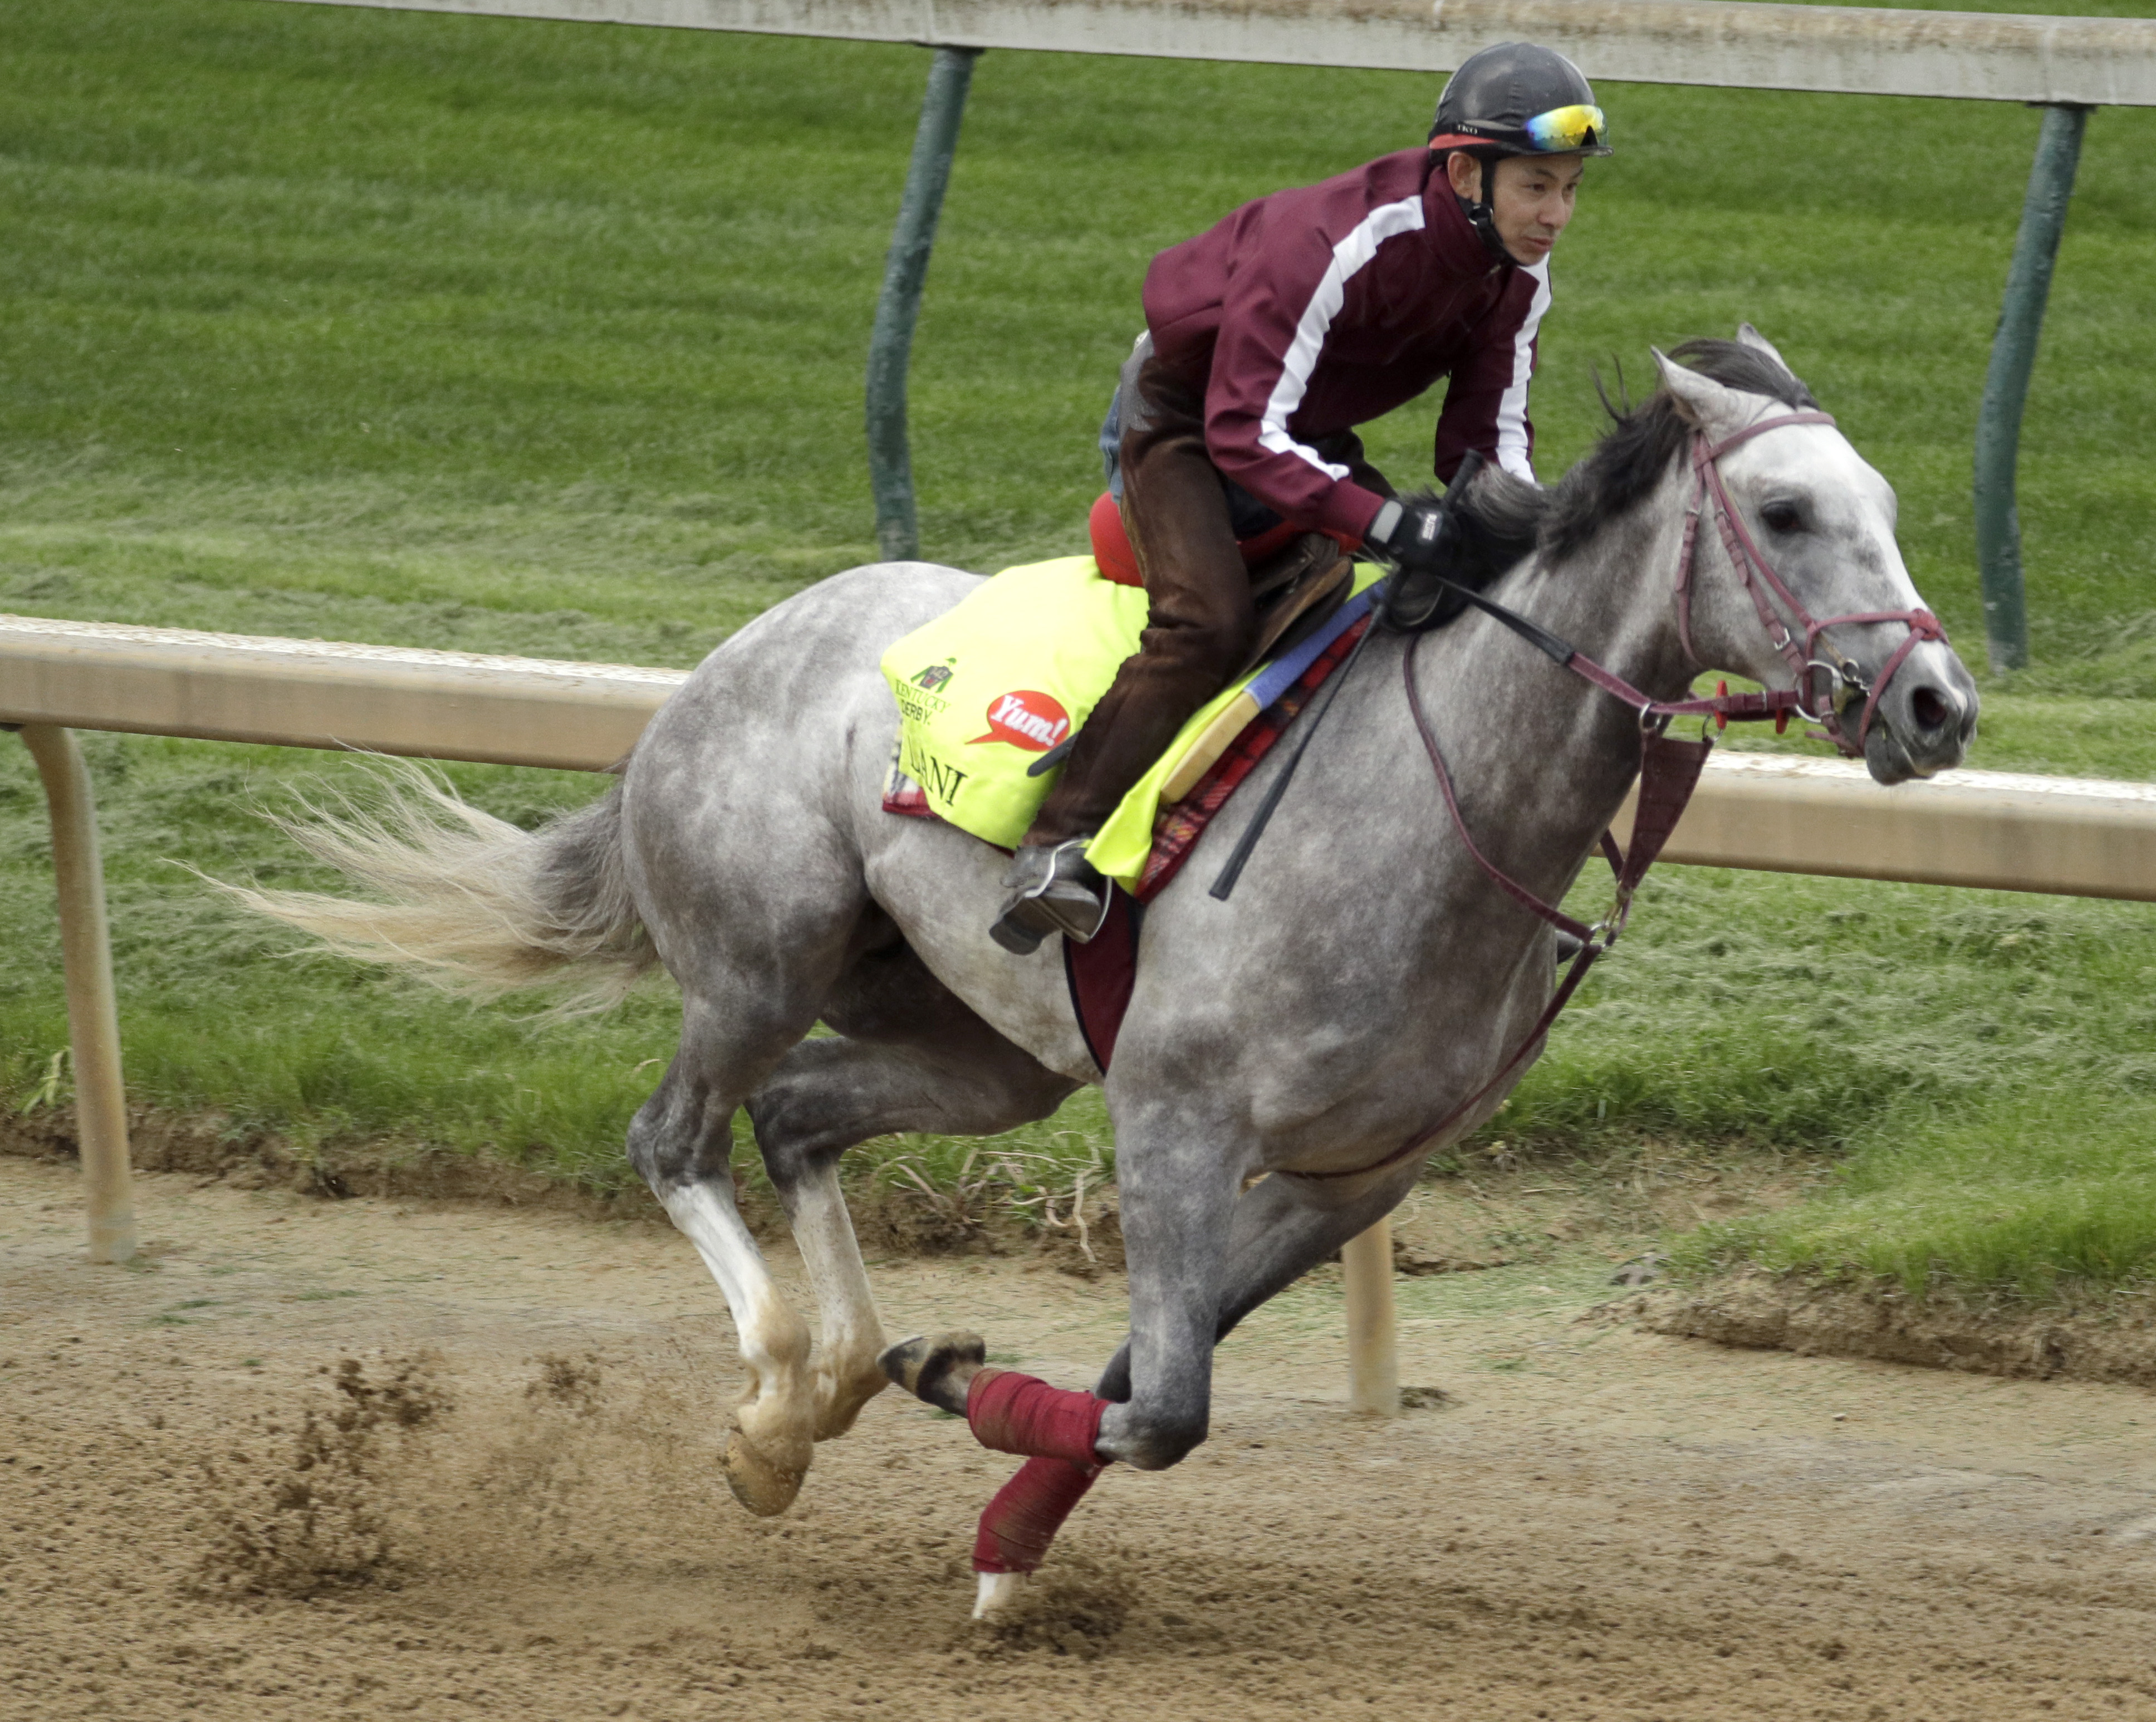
[1373,1351]
[2006,384]
[101,1101]
[891,344]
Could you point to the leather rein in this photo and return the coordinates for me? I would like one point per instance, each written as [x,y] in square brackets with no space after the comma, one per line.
[1669,766]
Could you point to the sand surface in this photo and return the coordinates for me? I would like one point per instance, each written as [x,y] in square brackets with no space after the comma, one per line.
[513,1508]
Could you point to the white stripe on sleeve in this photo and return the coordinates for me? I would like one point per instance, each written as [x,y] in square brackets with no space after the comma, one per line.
[1513,409]
[1349,255]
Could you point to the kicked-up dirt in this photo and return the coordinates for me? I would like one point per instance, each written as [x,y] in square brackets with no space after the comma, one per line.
[361,1458]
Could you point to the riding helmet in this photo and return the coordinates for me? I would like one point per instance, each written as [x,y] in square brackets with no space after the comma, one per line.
[1517,99]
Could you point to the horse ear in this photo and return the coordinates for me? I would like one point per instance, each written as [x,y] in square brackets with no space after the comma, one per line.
[1747,336]
[1701,401]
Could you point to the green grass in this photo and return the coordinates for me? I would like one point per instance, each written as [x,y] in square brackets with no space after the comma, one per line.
[2042,1191]
[548,339]
[2045,1192]
[446,329]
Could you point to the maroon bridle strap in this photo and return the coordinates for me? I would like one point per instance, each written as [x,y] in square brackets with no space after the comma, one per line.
[1498,877]
[1760,581]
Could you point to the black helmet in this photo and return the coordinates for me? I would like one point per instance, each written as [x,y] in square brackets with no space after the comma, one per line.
[1516,99]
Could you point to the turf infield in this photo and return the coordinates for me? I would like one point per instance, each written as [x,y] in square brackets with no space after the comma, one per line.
[548,339]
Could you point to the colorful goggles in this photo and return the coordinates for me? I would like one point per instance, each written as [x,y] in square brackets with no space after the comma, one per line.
[1561,131]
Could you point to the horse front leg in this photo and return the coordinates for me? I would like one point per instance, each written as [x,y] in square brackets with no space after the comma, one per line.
[1284,1226]
[1178,1205]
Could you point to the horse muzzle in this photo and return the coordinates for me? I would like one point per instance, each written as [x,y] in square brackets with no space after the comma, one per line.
[1925,717]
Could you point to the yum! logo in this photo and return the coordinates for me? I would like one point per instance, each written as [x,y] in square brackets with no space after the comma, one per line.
[1026,719]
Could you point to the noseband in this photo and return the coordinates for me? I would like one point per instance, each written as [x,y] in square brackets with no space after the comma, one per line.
[1669,766]
[1824,705]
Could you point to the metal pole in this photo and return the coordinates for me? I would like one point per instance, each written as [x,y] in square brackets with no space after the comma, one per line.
[1373,1350]
[890,346]
[100,1102]
[2006,385]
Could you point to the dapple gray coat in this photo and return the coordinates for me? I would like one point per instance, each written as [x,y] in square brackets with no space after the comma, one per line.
[1365,978]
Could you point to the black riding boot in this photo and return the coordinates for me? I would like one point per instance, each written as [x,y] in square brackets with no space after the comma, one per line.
[1054,889]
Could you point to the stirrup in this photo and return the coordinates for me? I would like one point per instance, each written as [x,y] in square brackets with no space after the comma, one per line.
[1056,890]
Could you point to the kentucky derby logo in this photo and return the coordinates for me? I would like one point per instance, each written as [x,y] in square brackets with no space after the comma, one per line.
[1026,719]
[918,697]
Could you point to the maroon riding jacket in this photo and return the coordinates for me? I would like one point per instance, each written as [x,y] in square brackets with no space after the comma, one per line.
[1317,309]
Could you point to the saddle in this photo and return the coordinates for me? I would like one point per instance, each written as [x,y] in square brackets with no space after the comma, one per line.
[1296,593]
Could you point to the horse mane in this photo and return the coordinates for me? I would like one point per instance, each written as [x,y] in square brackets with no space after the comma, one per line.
[1630,461]
[1505,518]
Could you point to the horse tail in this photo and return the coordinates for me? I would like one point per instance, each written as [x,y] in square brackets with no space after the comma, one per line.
[472,903]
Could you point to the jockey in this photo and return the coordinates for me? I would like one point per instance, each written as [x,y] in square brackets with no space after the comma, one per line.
[1268,339]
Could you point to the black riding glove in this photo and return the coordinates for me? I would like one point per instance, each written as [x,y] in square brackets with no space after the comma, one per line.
[1410,531]
[1416,536]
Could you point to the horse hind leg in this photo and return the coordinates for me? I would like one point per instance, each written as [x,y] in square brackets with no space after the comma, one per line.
[681,1142]
[908,1056]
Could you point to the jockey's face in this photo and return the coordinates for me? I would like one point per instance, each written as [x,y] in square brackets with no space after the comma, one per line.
[1533,200]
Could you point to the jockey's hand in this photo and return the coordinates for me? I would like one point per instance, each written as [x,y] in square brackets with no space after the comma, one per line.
[1410,533]
[1415,535]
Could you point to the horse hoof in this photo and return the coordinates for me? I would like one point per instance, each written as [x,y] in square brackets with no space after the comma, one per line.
[937,1367]
[766,1489]
[997,1591]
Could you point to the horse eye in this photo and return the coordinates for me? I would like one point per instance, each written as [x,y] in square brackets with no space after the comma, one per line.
[1782,516]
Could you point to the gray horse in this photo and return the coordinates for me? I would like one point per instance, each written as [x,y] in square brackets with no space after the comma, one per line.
[1364,979]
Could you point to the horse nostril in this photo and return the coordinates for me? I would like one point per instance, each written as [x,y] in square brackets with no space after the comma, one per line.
[1929,709]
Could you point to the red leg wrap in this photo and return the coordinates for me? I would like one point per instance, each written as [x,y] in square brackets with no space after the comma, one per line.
[1027,1511]
[1021,1414]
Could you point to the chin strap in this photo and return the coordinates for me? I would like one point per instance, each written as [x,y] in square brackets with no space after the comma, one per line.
[1479,210]
[1484,220]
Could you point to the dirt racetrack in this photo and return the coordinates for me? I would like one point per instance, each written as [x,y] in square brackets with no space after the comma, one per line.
[512,1507]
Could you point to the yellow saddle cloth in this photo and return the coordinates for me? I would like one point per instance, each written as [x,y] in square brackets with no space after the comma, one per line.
[990,686]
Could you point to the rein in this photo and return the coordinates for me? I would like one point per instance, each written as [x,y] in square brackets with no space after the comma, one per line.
[1668,768]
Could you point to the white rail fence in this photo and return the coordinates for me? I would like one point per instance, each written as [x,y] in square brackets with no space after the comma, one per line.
[1983,56]
[2072,836]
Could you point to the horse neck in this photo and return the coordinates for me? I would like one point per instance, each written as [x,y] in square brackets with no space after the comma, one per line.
[1615,598]
[1541,757]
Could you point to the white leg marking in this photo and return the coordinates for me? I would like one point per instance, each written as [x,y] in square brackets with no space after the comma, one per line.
[997,1592]
[846,1375]
[777,1412]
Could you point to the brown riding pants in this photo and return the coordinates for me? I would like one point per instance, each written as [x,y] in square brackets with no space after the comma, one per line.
[1200,623]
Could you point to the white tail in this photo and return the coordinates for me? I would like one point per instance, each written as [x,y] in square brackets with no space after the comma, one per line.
[475,904]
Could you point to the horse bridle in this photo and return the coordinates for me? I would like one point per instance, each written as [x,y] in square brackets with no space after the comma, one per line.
[1827,705]
[1669,766]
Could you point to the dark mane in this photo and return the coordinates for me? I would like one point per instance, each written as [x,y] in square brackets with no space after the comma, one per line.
[1500,521]
[1630,461]
[1505,518]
